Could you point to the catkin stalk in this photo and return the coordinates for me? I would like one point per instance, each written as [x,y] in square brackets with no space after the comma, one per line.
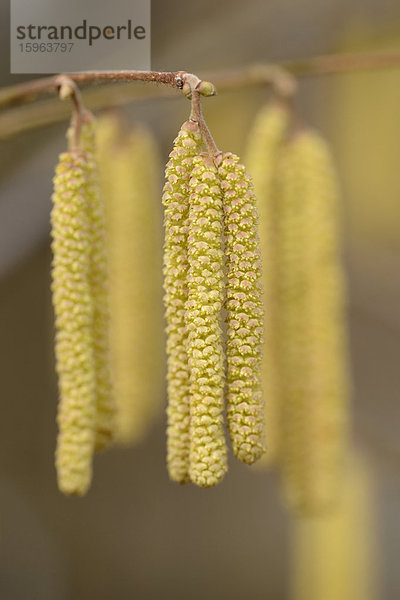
[265,141]
[208,461]
[128,170]
[187,145]
[245,411]
[312,348]
[73,306]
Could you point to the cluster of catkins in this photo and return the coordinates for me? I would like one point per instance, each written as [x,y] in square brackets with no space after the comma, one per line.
[106,272]
[304,374]
[304,365]
[106,281]
[212,264]
[106,295]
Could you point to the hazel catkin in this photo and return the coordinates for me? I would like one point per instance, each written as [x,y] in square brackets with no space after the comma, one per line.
[187,145]
[334,554]
[311,323]
[128,172]
[204,343]
[265,140]
[73,307]
[99,283]
[244,311]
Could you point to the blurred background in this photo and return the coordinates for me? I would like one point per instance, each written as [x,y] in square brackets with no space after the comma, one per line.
[136,534]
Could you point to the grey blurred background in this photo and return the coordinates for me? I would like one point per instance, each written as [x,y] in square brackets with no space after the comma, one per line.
[137,535]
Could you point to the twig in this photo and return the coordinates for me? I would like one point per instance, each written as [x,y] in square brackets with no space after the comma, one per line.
[277,74]
[342,63]
[31,90]
[280,76]
[48,111]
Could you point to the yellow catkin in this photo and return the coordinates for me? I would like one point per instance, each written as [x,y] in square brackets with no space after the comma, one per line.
[187,145]
[99,288]
[333,555]
[73,307]
[245,411]
[265,140]
[208,461]
[128,170]
[311,325]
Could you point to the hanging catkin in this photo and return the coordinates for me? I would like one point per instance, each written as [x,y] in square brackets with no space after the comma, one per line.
[105,404]
[128,171]
[203,307]
[187,145]
[333,554]
[265,140]
[311,326]
[245,412]
[73,307]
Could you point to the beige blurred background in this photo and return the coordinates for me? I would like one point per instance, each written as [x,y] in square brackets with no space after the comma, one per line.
[137,535]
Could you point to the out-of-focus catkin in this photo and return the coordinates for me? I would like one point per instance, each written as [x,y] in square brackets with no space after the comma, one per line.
[187,145]
[208,461]
[334,554]
[245,412]
[128,172]
[73,306]
[266,138]
[311,326]
[99,290]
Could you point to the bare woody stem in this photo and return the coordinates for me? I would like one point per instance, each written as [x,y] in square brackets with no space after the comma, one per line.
[196,113]
[281,77]
[342,63]
[26,92]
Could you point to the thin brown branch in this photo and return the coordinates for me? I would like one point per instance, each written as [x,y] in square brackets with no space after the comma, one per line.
[281,80]
[49,111]
[342,63]
[281,76]
[277,74]
[31,90]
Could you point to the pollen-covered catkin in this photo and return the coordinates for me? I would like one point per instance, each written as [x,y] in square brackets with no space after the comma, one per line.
[265,140]
[187,145]
[73,307]
[105,412]
[128,166]
[311,324]
[334,554]
[245,411]
[208,462]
